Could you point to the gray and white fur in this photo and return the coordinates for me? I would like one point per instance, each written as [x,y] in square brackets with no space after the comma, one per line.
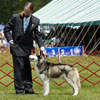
[48,71]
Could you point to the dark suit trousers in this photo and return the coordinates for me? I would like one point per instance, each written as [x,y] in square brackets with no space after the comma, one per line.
[22,74]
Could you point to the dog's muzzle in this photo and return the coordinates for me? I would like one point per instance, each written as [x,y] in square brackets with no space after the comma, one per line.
[33,58]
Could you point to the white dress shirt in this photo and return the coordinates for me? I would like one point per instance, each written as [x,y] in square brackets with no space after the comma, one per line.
[26,22]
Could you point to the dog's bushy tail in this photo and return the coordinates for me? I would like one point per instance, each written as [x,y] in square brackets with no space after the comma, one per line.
[73,74]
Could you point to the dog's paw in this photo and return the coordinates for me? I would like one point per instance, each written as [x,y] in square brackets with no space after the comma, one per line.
[45,94]
[75,94]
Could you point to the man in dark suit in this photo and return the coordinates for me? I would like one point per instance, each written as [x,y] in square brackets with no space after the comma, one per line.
[20,31]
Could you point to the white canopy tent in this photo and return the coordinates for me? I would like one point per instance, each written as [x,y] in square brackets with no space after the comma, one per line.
[78,21]
[70,12]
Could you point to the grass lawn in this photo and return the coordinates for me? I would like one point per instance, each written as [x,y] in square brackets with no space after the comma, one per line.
[63,92]
[87,92]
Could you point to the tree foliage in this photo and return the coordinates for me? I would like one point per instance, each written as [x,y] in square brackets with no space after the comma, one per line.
[9,7]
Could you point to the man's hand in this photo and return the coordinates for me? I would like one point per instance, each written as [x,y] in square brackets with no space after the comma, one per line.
[11,42]
[42,51]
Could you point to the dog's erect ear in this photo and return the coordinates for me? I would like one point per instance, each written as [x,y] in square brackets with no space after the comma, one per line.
[43,55]
[39,57]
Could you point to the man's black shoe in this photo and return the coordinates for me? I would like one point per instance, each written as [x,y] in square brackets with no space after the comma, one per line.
[27,92]
[19,93]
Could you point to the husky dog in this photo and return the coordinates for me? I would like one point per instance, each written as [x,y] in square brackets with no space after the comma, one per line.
[47,71]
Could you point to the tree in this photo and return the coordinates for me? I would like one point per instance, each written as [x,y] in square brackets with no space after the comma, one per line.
[9,7]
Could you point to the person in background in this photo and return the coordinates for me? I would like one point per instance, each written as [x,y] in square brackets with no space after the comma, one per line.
[20,31]
[2,43]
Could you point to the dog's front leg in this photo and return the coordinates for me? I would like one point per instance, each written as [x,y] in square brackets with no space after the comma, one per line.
[45,84]
[46,87]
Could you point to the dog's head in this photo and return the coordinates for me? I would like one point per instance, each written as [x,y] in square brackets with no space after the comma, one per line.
[37,58]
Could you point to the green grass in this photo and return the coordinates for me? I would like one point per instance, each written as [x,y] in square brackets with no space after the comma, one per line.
[63,92]
[87,92]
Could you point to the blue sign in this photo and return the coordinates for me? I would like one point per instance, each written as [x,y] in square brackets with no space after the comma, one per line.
[64,51]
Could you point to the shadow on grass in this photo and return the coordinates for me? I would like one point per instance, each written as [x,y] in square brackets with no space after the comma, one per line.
[5,93]
[60,94]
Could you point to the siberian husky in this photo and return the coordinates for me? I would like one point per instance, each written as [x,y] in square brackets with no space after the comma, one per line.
[48,71]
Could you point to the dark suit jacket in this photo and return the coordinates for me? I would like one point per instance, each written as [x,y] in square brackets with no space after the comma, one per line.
[23,41]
